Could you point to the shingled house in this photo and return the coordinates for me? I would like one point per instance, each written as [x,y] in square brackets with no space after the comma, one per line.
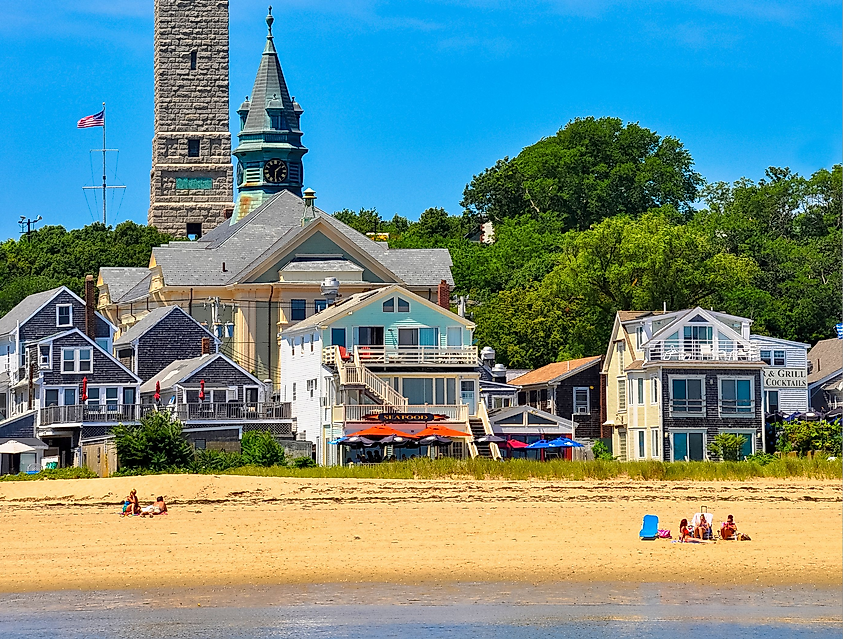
[251,278]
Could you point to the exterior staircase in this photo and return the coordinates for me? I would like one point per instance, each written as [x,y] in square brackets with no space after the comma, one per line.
[353,374]
[476,427]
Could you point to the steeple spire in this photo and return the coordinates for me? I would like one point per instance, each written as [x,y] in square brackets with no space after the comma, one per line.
[269,47]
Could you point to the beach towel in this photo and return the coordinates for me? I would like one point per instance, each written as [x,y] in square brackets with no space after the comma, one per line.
[664,534]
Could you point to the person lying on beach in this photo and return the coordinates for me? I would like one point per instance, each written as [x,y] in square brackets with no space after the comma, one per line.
[729,528]
[158,508]
[685,530]
[702,531]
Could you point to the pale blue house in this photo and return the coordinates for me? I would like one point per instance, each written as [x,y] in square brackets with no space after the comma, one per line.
[379,351]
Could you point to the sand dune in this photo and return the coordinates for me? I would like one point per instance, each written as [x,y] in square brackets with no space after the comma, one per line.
[229,530]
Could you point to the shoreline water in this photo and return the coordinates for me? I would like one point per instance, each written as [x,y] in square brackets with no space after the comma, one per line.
[231,531]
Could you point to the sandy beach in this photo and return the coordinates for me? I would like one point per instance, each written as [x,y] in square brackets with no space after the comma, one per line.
[230,530]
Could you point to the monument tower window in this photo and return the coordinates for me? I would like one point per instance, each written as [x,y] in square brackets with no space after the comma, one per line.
[193,148]
[193,230]
[193,60]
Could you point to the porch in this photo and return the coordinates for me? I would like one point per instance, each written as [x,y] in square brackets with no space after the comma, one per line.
[408,355]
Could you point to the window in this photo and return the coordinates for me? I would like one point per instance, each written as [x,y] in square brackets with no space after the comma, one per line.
[623,391]
[193,230]
[70,396]
[193,148]
[654,390]
[735,396]
[581,400]
[747,446]
[772,402]
[450,390]
[371,335]
[339,337]
[199,444]
[277,121]
[84,360]
[293,392]
[93,396]
[388,306]
[418,390]
[640,391]
[404,306]
[128,396]
[68,360]
[655,444]
[320,305]
[640,337]
[297,310]
[310,387]
[111,396]
[687,395]
[64,315]
[409,337]
[641,444]
[103,343]
[620,355]
[766,356]
[51,396]
[193,60]
[453,336]
[780,358]
[688,446]
[44,356]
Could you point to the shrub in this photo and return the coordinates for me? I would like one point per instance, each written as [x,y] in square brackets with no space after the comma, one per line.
[727,446]
[209,460]
[53,473]
[806,436]
[601,451]
[303,462]
[260,448]
[157,444]
[763,459]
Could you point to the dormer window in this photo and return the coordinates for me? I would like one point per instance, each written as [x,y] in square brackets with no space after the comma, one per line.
[44,356]
[64,315]
[403,306]
[388,306]
[640,337]
[277,121]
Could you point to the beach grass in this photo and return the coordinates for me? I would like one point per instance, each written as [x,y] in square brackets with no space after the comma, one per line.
[52,473]
[521,469]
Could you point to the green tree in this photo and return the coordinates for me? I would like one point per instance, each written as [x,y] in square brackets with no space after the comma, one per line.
[806,436]
[156,444]
[260,448]
[727,446]
[364,221]
[591,169]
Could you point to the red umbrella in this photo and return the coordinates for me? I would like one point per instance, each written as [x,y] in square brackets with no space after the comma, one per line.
[84,396]
[515,443]
[157,396]
[202,389]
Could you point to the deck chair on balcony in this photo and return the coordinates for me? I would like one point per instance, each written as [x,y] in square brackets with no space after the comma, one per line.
[649,529]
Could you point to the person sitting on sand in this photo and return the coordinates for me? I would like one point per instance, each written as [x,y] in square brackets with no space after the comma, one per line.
[158,508]
[702,531]
[729,528]
[131,505]
[685,531]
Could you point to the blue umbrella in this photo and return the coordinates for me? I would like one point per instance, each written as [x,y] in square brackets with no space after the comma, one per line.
[540,444]
[563,442]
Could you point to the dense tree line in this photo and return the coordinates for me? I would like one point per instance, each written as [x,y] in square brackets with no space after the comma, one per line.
[604,217]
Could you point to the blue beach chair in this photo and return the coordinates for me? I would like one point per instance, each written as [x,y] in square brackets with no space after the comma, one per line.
[649,530]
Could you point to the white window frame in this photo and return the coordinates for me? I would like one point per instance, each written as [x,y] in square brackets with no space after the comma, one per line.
[655,391]
[45,365]
[622,392]
[751,432]
[672,432]
[640,391]
[70,322]
[766,398]
[640,336]
[575,404]
[76,361]
[775,357]
[766,357]
[734,378]
[293,392]
[620,354]
[688,413]
[656,452]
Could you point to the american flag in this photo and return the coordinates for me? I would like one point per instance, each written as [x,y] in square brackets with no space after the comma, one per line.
[98,119]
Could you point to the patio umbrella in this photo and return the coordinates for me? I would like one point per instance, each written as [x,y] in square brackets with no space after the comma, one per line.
[435,440]
[381,431]
[515,443]
[397,440]
[202,389]
[157,396]
[835,413]
[542,443]
[13,447]
[777,416]
[443,431]
[84,396]
[563,442]
[355,442]
[490,439]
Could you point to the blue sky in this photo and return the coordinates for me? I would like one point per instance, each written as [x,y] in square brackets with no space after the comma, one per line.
[406,101]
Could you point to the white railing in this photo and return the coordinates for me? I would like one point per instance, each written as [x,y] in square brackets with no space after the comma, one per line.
[675,351]
[455,413]
[432,355]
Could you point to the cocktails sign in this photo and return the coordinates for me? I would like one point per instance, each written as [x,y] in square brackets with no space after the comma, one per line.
[785,377]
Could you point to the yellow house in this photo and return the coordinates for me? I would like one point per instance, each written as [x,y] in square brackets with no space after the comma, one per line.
[249,279]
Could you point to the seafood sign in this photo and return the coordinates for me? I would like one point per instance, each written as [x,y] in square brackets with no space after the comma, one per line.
[785,377]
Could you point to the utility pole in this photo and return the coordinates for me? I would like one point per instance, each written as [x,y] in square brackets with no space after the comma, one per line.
[29,224]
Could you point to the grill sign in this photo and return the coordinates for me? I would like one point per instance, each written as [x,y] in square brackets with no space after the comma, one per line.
[404,418]
[785,377]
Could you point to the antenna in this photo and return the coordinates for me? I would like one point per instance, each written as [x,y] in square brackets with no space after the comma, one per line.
[104,150]
[29,224]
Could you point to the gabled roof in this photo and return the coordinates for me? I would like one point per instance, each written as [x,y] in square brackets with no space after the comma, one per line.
[556,371]
[272,230]
[125,284]
[681,317]
[349,304]
[630,316]
[176,372]
[497,414]
[825,359]
[778,340]
[27,307]
[94,344]
[150,320]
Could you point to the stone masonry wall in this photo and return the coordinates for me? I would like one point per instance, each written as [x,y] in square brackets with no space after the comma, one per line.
[191,104]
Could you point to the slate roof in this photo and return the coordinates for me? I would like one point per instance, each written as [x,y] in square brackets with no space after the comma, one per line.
[825,359]
[554,371]
[627,316]
[126,284]
[268,231]
[151,319]
[176,371]
[25,308]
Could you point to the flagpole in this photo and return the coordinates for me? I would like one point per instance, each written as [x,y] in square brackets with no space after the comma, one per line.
[104,163]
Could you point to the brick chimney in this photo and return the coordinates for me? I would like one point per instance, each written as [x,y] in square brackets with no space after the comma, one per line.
[206,346]
[90,308]
[443,294]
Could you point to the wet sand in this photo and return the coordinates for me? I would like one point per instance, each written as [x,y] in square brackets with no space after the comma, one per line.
[232,531]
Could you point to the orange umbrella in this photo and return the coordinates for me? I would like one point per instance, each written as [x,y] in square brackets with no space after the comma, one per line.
[381,431]
[443,431]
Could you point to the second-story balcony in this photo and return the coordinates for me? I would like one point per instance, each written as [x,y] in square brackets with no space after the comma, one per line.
[453,413]
[409,355]
[88,413]
[198,412]
[698,351]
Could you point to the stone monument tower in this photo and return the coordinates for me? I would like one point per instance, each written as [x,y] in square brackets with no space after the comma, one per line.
[191,177]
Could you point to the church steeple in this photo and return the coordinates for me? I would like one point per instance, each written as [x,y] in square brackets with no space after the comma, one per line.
[270,146]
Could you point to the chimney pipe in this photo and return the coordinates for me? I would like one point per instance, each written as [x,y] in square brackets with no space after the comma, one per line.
[443,294]
[90,308]
[205,346]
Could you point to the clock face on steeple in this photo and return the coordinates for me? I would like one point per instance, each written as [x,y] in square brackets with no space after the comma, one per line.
[275,171]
